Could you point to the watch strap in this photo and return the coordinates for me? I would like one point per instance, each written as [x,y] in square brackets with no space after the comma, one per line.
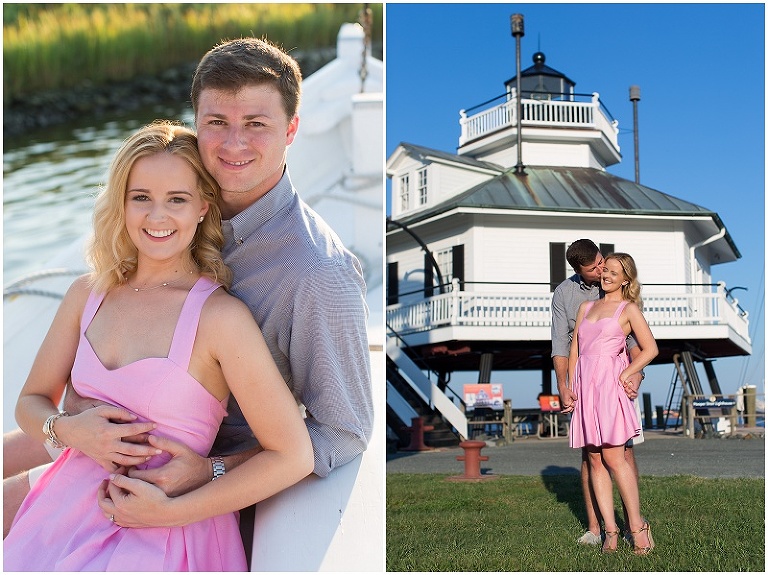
[218,467]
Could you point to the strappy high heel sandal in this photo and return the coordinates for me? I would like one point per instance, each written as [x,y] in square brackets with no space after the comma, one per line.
[608,535]
[643,550]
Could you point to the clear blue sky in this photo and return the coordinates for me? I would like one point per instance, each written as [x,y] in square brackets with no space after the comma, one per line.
[701,72]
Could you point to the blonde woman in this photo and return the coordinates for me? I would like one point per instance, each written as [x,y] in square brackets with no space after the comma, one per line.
[151,330]
[604,418]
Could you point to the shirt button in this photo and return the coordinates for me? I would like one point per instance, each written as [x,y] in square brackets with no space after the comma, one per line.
[239,241]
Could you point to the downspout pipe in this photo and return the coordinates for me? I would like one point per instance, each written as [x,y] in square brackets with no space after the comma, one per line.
[694,247]
[424,248]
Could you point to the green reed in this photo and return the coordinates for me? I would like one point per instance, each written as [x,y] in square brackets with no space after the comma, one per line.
[61,46]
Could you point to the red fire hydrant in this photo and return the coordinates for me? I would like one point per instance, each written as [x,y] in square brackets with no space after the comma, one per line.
[417,430]
[472,459]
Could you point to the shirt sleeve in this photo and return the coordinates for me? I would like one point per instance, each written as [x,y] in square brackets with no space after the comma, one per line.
[631,341]
[561,337]
[330,363]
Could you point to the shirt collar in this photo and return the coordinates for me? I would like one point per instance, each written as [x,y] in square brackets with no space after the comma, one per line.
[259,212]
[584,285]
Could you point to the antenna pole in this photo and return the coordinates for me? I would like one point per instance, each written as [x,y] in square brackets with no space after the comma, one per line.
[634,97]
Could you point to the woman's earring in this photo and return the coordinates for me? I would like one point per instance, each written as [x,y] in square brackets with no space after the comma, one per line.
[200,221]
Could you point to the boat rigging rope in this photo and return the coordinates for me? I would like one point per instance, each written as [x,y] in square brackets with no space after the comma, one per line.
[366,14]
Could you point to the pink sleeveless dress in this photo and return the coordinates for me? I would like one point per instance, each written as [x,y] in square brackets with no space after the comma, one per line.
[60,526]
[602,414]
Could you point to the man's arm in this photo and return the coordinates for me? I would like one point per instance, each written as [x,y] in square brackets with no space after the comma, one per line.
[331,366]
[561,345]
[186,470]
[22,453]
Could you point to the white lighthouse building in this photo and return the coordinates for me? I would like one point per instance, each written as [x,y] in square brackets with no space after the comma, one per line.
[477,239]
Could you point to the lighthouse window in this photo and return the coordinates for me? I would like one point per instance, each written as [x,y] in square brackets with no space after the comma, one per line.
[404,193]
[445,261]
[423,187]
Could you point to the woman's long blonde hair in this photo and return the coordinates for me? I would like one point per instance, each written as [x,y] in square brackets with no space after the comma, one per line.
[111,253]
[631,291]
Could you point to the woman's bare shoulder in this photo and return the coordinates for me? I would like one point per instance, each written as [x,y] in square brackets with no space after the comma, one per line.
[221,306]
[80,289]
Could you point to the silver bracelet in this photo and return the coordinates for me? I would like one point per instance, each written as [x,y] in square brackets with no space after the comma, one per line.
[48,430]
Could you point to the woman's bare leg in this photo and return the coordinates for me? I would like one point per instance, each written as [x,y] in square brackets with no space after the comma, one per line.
[603,490]
[626,482]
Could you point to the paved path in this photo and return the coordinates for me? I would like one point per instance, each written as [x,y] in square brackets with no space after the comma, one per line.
[662,454]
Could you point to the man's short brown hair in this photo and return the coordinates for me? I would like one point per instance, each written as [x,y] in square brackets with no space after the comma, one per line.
[236,64]
[581,253]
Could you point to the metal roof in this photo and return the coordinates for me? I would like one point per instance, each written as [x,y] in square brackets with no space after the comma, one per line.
[447,157]
[568,189]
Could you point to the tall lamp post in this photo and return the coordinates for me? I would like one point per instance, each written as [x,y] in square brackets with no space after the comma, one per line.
[518,31]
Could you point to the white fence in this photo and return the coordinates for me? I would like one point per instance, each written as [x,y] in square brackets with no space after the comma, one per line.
[469,308]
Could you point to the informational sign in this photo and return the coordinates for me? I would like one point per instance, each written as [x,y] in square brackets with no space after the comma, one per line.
[712,402]
[484,395]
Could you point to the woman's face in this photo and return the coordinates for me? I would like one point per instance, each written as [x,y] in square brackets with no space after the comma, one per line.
[163,206]
[613,276]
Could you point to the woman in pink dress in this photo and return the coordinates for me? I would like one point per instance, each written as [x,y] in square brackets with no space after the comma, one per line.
[152,331]
[604,418]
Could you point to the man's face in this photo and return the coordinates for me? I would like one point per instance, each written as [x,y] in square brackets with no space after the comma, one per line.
[591,273]
[243,138]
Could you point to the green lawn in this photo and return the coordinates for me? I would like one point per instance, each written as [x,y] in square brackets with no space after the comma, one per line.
[518,523]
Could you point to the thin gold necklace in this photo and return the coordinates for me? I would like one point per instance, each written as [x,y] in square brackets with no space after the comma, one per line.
[164,284]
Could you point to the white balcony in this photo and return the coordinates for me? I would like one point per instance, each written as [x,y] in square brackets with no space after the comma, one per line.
[493,315]
[577,120]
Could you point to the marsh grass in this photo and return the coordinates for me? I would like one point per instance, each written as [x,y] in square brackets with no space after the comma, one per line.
[531,524]
[59,46]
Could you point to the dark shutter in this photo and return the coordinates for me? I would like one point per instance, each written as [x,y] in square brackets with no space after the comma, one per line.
[556,265]
[458,265]
[606,249]
[393,284]
[429,277]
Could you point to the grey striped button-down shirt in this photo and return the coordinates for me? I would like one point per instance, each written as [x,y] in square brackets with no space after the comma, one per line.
[306,292]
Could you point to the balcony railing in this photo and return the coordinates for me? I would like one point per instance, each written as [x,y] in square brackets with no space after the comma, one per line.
[558,113]
[496,308]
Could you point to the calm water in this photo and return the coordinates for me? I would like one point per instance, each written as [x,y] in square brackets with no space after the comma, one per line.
[50,180]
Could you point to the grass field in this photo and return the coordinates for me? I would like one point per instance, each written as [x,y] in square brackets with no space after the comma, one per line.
[517,523]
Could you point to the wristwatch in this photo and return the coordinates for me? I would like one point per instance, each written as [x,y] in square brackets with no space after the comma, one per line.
[218,467]
[52,440]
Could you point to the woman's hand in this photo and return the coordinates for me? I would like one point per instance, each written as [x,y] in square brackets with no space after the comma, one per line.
[567,400]
[631,384]
[108,435]
[134,503]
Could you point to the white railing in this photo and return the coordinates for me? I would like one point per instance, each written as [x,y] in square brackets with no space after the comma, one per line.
[539,113]
[430,393]
[468,308]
